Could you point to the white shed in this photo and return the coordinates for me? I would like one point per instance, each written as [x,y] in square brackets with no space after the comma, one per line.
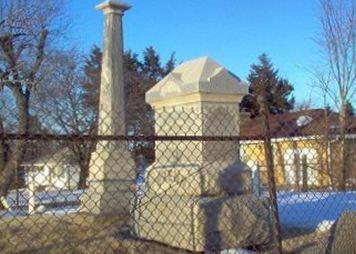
[53,171]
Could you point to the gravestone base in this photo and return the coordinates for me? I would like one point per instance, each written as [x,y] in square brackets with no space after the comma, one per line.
[107,197]
[203,223]
[218,178]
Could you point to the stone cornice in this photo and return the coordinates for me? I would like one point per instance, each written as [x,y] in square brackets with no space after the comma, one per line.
[113,7]
[196,98]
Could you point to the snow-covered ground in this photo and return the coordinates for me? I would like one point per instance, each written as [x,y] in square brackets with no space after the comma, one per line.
[236,251]
[59,202]
[44,197]
[302,210]
[308,210]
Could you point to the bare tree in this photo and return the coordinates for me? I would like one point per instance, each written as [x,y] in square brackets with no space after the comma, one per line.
[26,28]
[338,75]
[61,105]
[304,105]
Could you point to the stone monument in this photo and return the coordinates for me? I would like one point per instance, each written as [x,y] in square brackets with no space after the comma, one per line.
[342,236]
[198,194]
[112,169]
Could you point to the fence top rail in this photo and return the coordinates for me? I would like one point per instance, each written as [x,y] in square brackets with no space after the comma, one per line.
[74,137]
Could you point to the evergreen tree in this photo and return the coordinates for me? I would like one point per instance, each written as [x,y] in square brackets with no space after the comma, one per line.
[140,76]
[91,84]
[152,67]
[263,77]
[170,65]
[350,111]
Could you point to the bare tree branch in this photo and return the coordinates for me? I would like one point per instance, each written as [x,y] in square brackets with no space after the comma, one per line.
[337,80]
[25,29]
[39,56]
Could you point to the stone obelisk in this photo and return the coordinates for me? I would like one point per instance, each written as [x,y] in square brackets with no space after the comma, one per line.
[112,169]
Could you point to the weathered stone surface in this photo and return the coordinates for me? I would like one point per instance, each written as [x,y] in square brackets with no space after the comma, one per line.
[340,240]
[209,179]
[197,192]
[200,224]
[111,173]
[343,235]
[201,75]
[198,98]
[107,197]
[112,168]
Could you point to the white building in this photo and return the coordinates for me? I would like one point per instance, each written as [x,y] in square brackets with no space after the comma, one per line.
[54,171]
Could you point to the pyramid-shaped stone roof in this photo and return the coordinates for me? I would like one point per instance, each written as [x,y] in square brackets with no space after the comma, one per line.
[201,75]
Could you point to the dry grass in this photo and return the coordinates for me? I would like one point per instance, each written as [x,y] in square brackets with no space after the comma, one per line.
[305,243]
[75,233]
[81,233]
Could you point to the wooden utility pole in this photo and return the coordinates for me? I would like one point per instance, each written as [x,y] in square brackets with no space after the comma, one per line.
[270,169]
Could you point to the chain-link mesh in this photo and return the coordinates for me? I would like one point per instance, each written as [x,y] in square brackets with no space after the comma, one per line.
[197,183]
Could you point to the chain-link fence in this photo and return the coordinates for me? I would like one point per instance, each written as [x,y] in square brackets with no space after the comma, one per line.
[114,154]
[199,182]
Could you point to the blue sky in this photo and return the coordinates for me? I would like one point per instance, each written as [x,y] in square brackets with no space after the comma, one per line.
[233,32]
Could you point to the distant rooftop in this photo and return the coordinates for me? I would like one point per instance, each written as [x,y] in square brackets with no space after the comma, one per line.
[290,125]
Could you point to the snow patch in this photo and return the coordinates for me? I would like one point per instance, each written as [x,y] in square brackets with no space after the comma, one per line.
[325,226]
[307,210]
[237,251]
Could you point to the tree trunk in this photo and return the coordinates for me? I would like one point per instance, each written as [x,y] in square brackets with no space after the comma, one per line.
[297,171]
[84,165]
[2,157]
[305,174]
[2,147]
[343,149]
[16,152]
[85,162]
[281,160]
[83,175]
[327,150]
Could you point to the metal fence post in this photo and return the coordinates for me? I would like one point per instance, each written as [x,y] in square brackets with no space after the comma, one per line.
[256,181]
[17,189]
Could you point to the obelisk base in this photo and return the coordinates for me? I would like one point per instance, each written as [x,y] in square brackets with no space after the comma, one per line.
[111,172]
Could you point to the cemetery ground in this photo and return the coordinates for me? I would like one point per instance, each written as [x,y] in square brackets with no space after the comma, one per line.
[306,219]
[81,233]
